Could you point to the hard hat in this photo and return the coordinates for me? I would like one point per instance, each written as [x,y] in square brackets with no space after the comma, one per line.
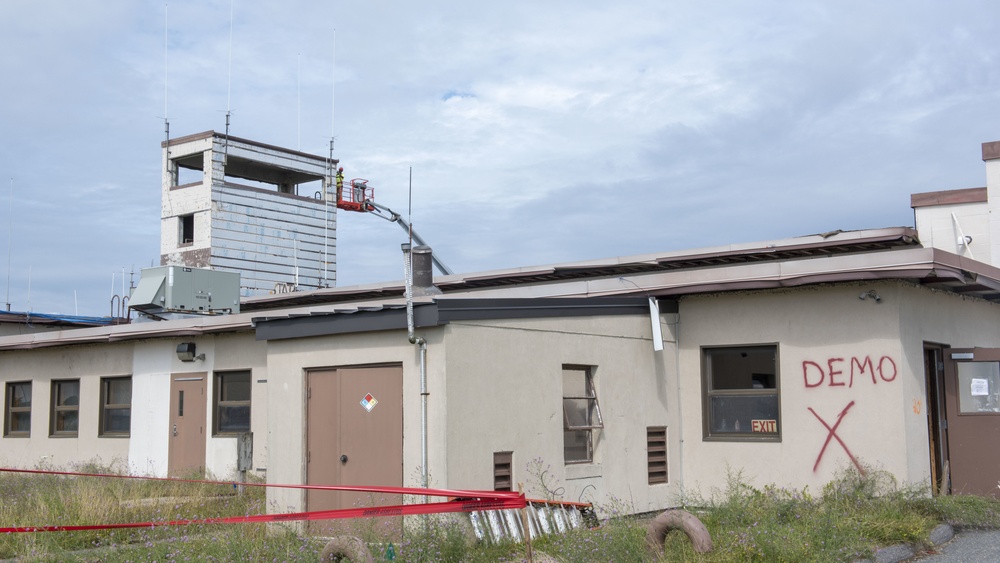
[341,169]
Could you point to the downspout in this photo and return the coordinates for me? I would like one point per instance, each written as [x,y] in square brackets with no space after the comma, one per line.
[419,341]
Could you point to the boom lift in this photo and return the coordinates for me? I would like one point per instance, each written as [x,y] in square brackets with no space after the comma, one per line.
[359,196]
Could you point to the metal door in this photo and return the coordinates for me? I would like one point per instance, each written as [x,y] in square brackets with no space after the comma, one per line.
[188,404]
[972,402]
[354,436]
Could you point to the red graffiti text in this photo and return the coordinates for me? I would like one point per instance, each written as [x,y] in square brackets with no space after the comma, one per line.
[832,435]
[840,372]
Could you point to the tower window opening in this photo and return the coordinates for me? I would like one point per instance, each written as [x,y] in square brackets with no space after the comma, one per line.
[186,234]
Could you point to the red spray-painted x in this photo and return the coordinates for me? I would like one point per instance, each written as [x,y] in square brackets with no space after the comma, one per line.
[833,435]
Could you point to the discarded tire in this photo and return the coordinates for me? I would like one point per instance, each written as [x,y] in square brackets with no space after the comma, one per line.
[681,520]
[346,548]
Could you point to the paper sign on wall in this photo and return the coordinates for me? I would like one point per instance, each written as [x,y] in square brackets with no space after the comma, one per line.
[980,387]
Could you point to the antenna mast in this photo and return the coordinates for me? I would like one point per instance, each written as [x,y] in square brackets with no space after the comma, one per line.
[298,102]
[229,85]
[10,235]
[331,174]
[166,47]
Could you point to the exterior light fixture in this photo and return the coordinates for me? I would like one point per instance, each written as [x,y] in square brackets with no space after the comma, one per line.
[870,294]
[186,352]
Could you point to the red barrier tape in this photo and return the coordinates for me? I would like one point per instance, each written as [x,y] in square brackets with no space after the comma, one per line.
[468,501]
[372,512]
[386,490]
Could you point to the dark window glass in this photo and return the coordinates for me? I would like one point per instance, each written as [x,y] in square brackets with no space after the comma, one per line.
[741,393]
[17,419]
[116,406]
[232,404]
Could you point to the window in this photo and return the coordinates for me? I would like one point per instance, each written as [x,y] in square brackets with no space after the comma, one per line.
[116,406]
[978,387]
[65,407]
[186,232]
[581,414]
[17,418]
[232,402]
[740,392]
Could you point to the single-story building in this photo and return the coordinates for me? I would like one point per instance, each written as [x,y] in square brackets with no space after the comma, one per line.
[638,378]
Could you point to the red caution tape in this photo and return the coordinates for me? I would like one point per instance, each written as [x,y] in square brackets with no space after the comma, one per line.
[464,501]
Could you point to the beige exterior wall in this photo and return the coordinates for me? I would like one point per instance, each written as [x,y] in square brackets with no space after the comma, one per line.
[819,330]
[497,386]
[940,318]
[86,363]
[151,364]
[287,364]
[939,229]
[504,392]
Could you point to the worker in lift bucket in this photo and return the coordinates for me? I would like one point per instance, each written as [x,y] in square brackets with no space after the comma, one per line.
[340,182]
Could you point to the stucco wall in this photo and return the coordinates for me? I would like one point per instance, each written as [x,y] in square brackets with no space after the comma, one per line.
[287,363]
[156,361]
[504,387]
[151,364]
[877,391]
[937,317]
[86,363]
[818,331]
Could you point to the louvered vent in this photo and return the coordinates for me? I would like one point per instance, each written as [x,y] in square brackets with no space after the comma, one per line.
[656,454]
[502,471]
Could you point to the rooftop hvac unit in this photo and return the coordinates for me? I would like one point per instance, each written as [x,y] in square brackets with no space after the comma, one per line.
[177,289]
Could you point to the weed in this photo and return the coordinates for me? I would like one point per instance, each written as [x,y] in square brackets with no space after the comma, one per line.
[852,516]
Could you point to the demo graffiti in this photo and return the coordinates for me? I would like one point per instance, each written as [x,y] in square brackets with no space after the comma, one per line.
[832,435]
[840,372]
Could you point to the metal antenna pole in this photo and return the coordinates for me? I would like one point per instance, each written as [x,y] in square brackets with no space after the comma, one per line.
[166,49]
[229,94]
[298,102]
[409,210]
[10,235]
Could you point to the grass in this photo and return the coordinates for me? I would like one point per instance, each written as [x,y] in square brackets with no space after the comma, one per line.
[850,518]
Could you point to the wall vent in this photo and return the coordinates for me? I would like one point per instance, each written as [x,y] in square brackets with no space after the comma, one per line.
[503,471]
[656,454]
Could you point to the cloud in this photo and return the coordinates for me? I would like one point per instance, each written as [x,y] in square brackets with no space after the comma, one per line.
[536,133]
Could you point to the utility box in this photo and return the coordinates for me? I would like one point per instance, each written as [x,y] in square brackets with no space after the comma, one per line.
[179,289]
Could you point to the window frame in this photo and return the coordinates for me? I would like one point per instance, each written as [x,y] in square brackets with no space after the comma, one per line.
[708,392]
[593,410]
[218,404]
[55,408]
[185,226]
[10,409]
[105,407]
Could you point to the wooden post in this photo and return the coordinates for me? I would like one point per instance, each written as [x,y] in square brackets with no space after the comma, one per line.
[524,524]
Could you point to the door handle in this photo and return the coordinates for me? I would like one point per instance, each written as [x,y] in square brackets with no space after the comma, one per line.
[343,458]
[175,430]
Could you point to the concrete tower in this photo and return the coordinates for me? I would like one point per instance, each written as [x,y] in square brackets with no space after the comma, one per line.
[266,212]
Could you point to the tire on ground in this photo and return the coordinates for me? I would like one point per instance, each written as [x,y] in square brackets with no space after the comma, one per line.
[346,548]
[681,520]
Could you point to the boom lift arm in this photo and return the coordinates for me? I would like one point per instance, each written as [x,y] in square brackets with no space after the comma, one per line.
[359,196]
[384,212]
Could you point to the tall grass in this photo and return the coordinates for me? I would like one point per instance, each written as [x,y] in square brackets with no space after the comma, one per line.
[850,518]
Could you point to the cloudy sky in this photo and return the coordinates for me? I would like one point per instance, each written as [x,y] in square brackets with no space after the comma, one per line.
[538,132]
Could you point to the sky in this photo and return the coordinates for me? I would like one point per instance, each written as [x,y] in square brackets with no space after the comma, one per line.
[537,132]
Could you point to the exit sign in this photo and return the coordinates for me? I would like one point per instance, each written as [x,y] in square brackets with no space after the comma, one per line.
[768,426]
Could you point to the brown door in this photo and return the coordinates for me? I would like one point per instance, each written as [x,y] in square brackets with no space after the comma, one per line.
[354,436]
[186,455]
[972,401]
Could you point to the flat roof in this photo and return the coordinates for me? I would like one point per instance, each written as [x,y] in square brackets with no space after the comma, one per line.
[839,256]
